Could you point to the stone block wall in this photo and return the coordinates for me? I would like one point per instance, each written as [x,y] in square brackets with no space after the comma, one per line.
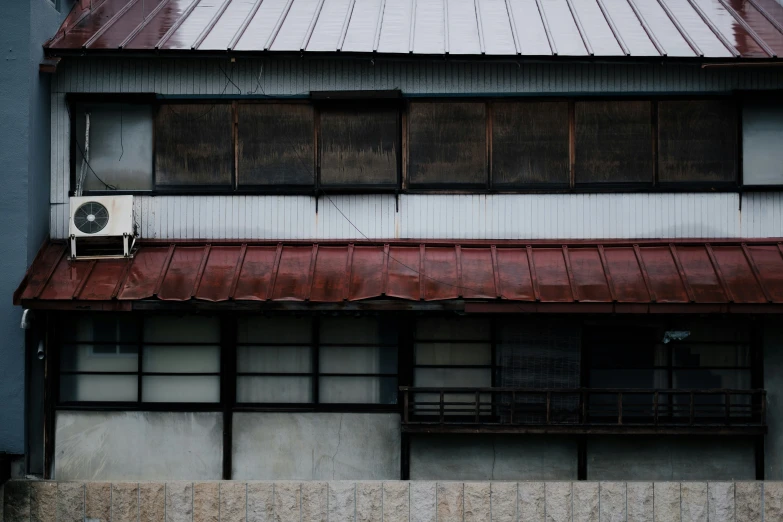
[393,501]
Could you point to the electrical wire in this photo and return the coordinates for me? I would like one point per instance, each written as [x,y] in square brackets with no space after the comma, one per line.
[84,157]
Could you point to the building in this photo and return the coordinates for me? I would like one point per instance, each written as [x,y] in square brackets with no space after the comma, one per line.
[430,241]
[24,111]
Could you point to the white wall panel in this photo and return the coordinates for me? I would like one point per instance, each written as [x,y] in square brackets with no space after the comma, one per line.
[419,216]
[499,216]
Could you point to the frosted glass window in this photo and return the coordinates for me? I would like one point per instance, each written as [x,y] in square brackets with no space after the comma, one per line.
[449,354]
[185,388]
[274,389]
[358,390]
[358,359]
[86,358]
[120,146]
[274,359]
[762,136]
[181,359]
[98,388]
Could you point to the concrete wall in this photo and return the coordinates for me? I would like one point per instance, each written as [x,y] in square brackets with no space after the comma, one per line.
[670,458]
[138,446]
[492,457]
[316,446]
[395,501]
[773,383]
[25,135]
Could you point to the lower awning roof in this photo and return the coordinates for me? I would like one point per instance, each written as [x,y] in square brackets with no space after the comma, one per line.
[477,273]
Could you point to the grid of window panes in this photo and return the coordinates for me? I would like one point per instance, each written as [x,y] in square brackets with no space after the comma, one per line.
[711,356]
[452,352]
[325,360]
[473,145]
[157,359]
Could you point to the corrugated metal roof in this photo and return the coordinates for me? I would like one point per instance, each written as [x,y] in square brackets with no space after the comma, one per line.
[650,272]
[605,28]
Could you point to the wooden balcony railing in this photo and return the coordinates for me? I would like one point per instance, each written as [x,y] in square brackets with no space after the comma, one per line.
[583,410]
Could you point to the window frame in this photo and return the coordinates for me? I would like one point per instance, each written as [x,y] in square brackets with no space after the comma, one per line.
[403,186]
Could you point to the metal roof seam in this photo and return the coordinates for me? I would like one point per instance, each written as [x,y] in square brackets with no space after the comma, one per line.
[348,273]
[237,271]
[647,29]
[549,37]
[176,25]
[680,29]
[344,30]
[766,14]
[311,27]
[646,276]
[164,270]
[458,257]
[245,23]
[412,33]
[113,20]
[708,21]
[533,275]
[607,273]
[275,268]
[496,271]
[681,271]
[756,38]
[278,25]
[513,24]
[719,272]
[422,272]
[379,26]
[121,280]
[49,274]
[570,273]
[201,267]
[613,27]
[756,273]
[479,26]
[446,26]
[582,32]
[78,290]
[385,270]
[66,29]
[212,22]
[311,272]
[133,34]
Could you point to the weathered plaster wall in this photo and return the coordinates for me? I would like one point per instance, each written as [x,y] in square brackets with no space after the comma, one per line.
[24,200]
[773,383]
[138,446]
[316,446]
[396,501]
[670,458]
[492,457]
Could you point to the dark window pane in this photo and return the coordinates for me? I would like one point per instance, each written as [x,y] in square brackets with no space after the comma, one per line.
[358,390]
[762,134]
[448,144]
[697,141]
[613,142]
[711,356]
[275,143]
[120,150]
[530,143]
[712,379]
[359,147]
[194,145]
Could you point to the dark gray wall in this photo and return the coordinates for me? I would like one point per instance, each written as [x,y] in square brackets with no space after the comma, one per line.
[24,199]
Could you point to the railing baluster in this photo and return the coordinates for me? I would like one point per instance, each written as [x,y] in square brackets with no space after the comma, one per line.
[655,408]
[405,406]
[692,406]
[548,405]
[585,401]
[727,401]
[620,408]
[513,405]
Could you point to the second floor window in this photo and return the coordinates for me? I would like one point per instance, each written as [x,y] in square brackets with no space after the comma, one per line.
[299,146]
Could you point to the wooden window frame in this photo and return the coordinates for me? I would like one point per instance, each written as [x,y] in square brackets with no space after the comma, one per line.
[403,185]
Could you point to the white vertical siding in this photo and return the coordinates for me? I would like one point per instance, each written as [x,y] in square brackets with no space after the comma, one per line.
[500,216]
[419,216]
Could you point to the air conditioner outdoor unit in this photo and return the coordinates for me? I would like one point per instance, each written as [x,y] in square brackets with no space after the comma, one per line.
[103,226]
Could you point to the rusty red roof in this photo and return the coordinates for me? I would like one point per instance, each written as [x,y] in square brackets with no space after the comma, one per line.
[584,272]
[603,28]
